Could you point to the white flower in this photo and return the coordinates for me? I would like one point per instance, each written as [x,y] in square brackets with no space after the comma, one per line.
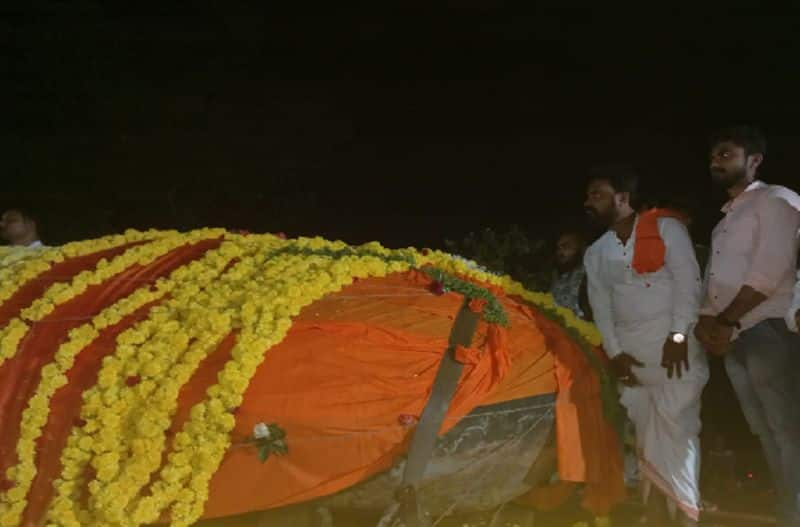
[261,431]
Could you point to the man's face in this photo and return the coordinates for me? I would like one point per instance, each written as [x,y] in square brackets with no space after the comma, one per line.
[14,226]
[730,165]
[601,202]
[568,251]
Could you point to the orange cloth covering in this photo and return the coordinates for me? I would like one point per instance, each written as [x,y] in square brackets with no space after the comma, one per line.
[588,448]
[649,250]
[352,364]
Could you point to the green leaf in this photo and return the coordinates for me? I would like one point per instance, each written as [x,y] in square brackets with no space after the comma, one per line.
[280,447]
[263,453]
[277,432]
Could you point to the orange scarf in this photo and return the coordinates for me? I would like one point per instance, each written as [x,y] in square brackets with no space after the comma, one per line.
[649,249]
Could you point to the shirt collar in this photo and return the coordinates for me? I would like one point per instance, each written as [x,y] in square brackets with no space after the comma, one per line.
[755,185]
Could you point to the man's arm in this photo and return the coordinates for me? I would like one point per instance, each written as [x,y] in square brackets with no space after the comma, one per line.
[773,254]
[600,301]
[794,312]
[681,262]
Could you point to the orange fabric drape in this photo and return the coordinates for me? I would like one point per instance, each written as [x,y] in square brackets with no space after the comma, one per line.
[353,364]
[649,250]
[588,448]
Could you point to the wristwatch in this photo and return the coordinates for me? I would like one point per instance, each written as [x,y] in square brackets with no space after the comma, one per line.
[677,338]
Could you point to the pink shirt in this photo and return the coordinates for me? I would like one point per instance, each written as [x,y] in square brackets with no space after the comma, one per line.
[755,244]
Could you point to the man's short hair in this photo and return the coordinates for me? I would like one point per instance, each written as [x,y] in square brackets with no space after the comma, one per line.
[622,178]
[750,138]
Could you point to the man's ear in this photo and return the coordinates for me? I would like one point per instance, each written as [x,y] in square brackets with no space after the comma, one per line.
[754,160]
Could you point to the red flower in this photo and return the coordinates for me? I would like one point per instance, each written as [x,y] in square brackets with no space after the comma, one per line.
[234,410]
[6,485]
[425,252]
[407,420]
[281,235]
[133,380]
[437,288]
[80,423]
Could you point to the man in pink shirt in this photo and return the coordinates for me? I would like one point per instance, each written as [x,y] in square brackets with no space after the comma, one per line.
[748,288]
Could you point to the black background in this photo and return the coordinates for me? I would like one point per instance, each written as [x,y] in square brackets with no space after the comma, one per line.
[403,124]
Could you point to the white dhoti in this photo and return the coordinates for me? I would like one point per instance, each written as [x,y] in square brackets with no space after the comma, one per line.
[666,415]
[636,312]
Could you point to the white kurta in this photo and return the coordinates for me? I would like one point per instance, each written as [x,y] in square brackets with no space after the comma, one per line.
[635,314]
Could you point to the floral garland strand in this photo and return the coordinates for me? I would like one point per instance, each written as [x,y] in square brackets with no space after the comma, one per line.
[53,375]
[207,433]
[105,401]
[212,320]
[62,292]
[294,274]
[31,263]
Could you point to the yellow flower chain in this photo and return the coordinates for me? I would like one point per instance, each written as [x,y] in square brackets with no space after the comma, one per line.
[32,262]
[197,454]
[101,439]
[146,419]
[125,433]
[62,292]
[53,375]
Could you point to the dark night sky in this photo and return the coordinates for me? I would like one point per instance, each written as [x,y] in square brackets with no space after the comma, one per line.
[405,125]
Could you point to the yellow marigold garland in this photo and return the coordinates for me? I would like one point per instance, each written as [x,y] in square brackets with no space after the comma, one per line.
[198,452]
[53,375]
[111,400]
[147,419]
[32,262]
[124,435]
[62,292]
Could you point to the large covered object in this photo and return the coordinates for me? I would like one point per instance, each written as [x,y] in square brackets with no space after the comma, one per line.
[167,377]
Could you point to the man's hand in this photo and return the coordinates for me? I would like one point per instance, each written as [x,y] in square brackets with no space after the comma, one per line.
[703,330]
[675,356]
[714,337]
[622,366]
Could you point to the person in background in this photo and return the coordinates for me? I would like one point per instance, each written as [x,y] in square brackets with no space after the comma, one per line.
[748,291]
[569,273]
[20,229]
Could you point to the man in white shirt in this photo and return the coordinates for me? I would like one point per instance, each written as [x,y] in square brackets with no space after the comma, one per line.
[20,229]
[645,321]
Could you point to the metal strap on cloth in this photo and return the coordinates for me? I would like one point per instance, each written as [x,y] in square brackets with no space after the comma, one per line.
[426,431]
